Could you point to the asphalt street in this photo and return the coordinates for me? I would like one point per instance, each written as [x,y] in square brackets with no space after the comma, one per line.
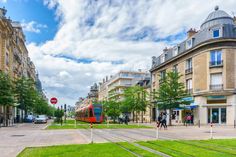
[14,139]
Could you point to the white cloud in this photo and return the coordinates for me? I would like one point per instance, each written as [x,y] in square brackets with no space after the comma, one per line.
[32,26]
[106,31]
[3,1]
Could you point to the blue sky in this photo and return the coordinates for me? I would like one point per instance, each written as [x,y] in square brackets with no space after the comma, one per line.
[75,43]
[33,10]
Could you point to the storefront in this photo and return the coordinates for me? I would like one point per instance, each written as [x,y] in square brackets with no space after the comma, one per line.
[179,114]
[216,110]
[217,115]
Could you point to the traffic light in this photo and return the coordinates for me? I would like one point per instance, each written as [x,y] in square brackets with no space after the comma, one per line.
[64,107]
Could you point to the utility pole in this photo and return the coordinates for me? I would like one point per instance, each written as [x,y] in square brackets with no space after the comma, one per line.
[64,112]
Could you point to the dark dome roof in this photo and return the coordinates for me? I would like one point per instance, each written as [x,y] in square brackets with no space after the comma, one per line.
[217,17]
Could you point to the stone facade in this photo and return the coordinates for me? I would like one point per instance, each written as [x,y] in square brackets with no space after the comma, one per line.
[208,70]
[14,59]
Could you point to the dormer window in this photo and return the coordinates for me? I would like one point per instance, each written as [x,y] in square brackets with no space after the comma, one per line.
[162,58]
[216,32]
[189,43]
[175,50]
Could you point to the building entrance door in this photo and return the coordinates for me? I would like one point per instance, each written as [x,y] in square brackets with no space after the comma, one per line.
[217,115]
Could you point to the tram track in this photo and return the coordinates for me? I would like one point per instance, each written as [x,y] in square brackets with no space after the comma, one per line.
[116,143]
[136,144]
[124,140]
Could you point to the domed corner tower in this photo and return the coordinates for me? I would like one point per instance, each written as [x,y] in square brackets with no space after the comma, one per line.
[217,18]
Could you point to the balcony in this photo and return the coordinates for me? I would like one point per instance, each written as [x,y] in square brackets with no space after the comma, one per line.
[216,87]
[216,63]
[189,91]
[188,71]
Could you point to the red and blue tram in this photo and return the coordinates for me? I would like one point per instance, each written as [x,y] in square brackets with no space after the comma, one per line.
[91,113]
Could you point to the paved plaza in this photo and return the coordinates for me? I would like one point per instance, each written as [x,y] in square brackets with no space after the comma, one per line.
[14,139]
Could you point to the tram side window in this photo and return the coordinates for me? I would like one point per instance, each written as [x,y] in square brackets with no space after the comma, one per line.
[86,113]
[90,112]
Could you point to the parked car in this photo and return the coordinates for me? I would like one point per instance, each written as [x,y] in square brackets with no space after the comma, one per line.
[41,119]
[29,118]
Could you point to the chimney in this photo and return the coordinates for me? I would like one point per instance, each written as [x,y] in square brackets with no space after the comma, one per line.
[106,78]
[103,80]
[191,32]
[165,49]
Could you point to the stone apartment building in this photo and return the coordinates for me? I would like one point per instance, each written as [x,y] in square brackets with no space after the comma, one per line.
[113,88]
[207,62]
[14,59]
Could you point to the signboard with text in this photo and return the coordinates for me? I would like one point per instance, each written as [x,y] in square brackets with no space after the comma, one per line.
[53,101]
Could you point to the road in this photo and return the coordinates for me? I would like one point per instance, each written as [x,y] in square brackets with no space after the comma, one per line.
[14,139]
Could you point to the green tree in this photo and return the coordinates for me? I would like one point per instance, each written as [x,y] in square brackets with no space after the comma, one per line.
[6,95]
[135,100]
[171,93]
[26,94]
[111,108]
[59,114]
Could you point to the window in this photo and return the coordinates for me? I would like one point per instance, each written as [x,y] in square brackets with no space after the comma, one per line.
[216,81]
[162,58]
[189,43]
[175,68]
[189,86]
[188,65]
[163,74]
[216,33]
[216,58]
[175,50]
[7,59]
[90,112]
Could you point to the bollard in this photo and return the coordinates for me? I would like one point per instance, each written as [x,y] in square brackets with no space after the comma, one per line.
[107,122]
[199,125]
[91,127]
[211,131]
[157,132]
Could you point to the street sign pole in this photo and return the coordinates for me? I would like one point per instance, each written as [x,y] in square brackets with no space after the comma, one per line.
[53,102]
[211,131]
[91,127]
[157,132]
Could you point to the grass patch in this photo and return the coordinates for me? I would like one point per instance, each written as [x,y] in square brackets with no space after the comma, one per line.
[184,148]
[85,150]
[176,148]
[138,150]
[96,126]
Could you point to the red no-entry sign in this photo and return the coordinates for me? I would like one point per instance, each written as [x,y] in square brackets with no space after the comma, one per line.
[53,100]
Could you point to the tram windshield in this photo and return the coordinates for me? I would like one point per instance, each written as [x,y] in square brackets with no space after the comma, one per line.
[97,110]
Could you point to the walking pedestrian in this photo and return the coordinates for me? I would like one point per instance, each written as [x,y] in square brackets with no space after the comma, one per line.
[163,121]
[159,118]
[189,119]
[126,119]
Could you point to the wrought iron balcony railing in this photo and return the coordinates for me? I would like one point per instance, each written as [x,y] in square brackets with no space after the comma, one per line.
[216,63]
[216,87]
[189,71]
[189,91]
